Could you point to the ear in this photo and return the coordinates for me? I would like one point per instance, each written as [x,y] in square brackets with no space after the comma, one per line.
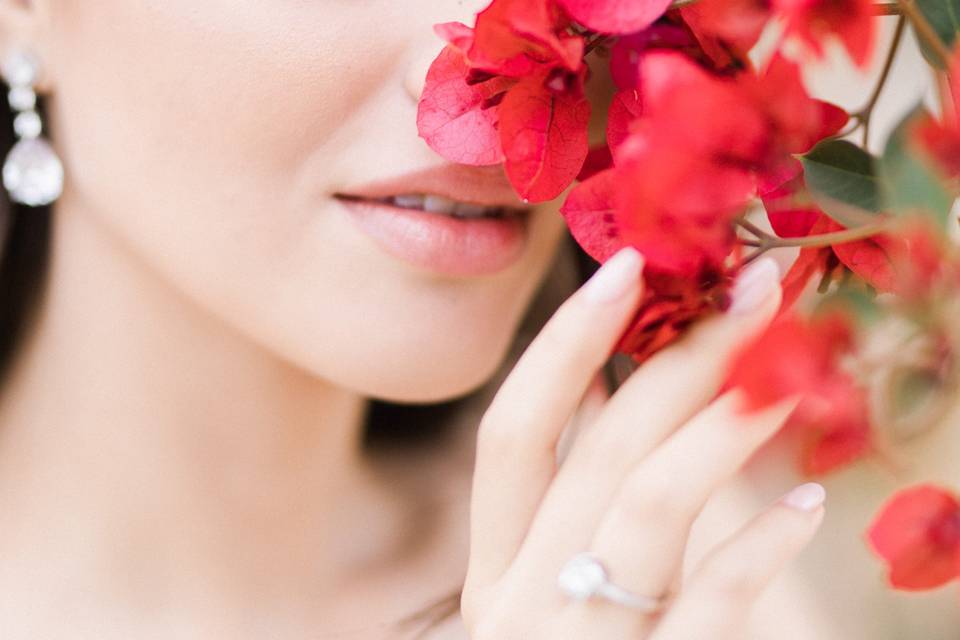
[23,24]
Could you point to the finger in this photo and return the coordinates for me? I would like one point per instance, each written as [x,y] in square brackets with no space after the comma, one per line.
[518,434]
[718,595]
[645,532]
[654,401]
[591,405]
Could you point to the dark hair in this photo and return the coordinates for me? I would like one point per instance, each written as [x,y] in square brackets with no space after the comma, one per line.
[24,256]
[25,240]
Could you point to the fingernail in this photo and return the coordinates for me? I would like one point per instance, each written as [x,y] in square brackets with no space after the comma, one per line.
[615,277]
[806,497]
[754,285]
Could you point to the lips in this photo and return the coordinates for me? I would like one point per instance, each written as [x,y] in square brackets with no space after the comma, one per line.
[452,220]
[432,203]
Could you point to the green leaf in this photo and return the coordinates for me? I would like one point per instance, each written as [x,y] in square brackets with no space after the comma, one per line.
[944,17]
[842,178]
[909,182]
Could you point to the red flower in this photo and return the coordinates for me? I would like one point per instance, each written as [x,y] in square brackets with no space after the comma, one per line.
[793,356]
[798,121]
[511,90]
[615,16]
[917,533]
[589,214]
[942,142]
[455,118]
[941,139]
[853,21]
[671,304]
[736,23]
[544,136]
[801,357]
[514,37]
[626,51]
[790,210]
[686,165]
[625,108]
[834,426]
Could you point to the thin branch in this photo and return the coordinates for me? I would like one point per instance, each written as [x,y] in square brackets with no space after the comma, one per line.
[886,9]
[597,41]
[835,237]
[821,240]
[754,229]
[925,30]
[867,111]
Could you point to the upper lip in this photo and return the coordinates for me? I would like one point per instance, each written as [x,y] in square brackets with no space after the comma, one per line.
[487,186]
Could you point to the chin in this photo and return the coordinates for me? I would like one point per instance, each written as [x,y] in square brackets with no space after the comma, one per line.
[425,369]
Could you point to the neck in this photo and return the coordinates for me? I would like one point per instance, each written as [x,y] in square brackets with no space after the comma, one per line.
[148,424]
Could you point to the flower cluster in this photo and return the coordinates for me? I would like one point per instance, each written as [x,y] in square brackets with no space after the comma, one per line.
[699,135]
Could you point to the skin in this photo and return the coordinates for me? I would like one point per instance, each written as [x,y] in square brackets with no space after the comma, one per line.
[180,437]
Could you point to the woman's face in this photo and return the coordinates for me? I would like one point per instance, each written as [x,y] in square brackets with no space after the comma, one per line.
[210,138]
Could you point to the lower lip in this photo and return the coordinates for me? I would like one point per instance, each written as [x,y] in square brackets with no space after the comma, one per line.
[442,243]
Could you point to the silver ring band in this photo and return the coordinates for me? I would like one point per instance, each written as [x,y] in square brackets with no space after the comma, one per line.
[584,577]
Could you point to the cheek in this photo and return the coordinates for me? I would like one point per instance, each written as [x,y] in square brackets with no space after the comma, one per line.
[198,116]
[207,135]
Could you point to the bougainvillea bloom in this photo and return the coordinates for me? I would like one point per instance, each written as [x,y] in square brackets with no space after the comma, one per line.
[615,16]
[941,139]
[834,426]
[737,24]
[510,90]
[793,356]
[543,133]
[454,117]
[852,21]
[917,533]
[699,130]
[672,304]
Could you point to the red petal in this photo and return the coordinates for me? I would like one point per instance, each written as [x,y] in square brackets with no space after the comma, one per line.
[624,109]
[853,21]
[544,138]
[588,211]
[456,33]
[615,16]
[791,212]
[808,264]
[514,36]
[792,356]
[738,23]
[917,533]
[450,116]
[869,260]
[598,159]
[836,424]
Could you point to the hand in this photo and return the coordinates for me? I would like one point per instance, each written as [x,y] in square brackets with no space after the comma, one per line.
[633,481]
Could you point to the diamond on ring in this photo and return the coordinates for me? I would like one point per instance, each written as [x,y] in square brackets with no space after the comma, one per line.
[584,576]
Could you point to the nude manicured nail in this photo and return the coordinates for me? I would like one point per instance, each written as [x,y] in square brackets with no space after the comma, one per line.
[754,285]
[615,277]
[806,497]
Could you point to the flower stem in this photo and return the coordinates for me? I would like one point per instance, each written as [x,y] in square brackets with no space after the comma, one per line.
[598,40]
[765,241]
[864,114]
[925,30]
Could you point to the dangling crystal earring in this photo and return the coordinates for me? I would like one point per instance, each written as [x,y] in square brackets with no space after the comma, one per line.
[32,172]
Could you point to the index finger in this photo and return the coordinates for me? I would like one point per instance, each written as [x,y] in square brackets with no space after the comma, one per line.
[518,434]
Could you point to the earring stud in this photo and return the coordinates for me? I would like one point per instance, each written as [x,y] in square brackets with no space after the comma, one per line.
[32,171]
